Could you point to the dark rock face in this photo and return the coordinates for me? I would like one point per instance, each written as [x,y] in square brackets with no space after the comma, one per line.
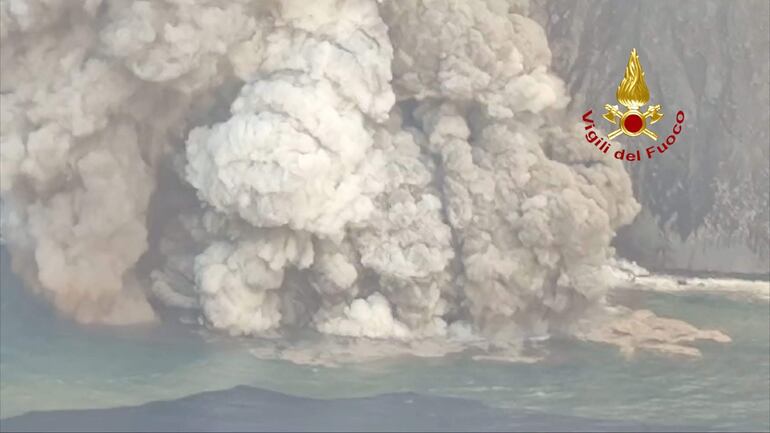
[705,201]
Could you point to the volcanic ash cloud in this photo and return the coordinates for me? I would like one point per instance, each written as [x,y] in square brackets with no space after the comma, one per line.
[386,170]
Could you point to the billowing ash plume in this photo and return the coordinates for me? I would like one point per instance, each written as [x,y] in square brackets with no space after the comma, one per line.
[386,170]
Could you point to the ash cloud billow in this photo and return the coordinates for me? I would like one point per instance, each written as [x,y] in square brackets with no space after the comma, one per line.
[395,170]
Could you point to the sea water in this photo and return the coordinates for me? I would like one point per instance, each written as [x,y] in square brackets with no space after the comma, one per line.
[48,363]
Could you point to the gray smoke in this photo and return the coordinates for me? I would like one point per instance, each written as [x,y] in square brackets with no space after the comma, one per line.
[394,170]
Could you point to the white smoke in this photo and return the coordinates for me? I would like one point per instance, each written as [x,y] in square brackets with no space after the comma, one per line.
[394,170]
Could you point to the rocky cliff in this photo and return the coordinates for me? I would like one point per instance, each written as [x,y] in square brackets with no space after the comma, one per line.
[705,202]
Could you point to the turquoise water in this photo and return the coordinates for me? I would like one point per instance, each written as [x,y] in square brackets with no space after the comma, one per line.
[47,363]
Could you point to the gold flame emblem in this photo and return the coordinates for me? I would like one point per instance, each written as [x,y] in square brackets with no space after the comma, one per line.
[633,94]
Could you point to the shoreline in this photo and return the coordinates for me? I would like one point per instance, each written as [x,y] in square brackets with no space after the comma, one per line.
[675,272]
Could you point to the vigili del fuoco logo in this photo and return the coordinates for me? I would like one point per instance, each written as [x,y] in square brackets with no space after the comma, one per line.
[633,94]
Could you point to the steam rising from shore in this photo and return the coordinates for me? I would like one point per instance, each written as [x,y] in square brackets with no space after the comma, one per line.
[392,170]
